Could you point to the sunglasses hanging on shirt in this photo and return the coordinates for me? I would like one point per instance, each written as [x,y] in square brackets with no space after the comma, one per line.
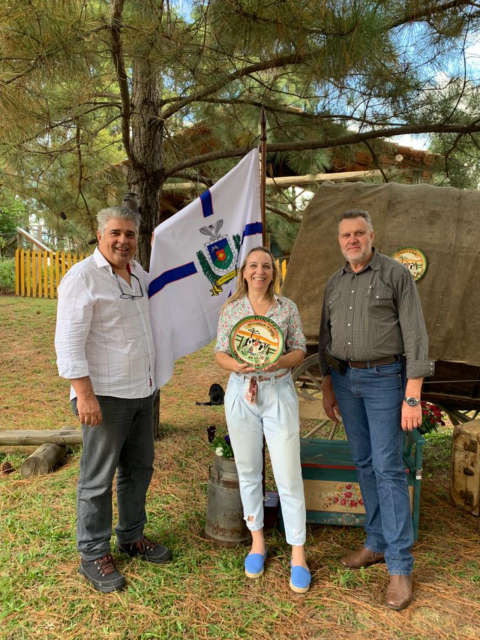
[129,296]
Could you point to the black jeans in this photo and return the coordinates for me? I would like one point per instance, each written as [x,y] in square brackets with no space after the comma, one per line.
[123,442]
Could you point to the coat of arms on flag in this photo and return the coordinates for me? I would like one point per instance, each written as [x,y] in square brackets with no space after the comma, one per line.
[220,254]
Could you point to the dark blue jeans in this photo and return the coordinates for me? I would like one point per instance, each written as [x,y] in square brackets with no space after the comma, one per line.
[370,402]
[123,442]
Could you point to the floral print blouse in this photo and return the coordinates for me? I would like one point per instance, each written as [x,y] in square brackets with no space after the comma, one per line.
[284,312]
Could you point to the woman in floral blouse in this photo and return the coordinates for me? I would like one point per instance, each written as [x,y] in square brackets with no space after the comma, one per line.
[264,403]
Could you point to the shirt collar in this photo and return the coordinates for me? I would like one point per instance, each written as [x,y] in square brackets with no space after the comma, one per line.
[101,261]
[374,264]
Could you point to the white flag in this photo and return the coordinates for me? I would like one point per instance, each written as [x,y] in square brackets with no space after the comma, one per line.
[195,257]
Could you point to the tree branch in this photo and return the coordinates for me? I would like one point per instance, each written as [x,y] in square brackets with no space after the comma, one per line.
[283,214]
[78,141]
[283,61]
[355,138]
[292,111]
[375,160]
[428,12]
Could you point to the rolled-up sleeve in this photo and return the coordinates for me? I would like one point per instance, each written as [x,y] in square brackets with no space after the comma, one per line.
[74,315]
[414,332]
[295,338]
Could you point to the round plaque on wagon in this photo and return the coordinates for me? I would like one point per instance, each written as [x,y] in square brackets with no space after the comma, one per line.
[257,341]
[412,258]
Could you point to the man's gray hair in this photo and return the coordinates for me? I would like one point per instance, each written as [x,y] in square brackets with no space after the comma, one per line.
[119,213]
[356,213]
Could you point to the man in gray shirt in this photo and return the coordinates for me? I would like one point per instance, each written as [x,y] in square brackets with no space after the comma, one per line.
[373,351]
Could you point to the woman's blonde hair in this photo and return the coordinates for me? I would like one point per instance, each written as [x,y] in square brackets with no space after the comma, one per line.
[242,286]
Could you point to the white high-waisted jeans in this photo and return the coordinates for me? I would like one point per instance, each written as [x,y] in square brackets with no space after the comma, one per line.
[275,415]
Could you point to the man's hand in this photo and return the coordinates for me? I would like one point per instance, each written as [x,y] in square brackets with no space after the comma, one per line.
[87,404]
[89,410]
[411,417]
[330,404]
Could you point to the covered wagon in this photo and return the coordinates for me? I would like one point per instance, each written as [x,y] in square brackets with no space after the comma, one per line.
[435,231]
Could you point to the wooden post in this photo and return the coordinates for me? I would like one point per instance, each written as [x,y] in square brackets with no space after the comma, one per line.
[45,274]
[263,183]
[34,273]
[64,436]
[28,271]
[17,271]
[44,458]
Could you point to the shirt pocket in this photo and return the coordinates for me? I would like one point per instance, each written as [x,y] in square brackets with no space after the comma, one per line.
[381,303]
[333,303]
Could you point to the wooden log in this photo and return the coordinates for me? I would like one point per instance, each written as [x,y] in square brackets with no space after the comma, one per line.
[27,438]
[44,458]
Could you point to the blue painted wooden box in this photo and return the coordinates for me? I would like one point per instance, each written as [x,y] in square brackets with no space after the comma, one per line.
[332,493]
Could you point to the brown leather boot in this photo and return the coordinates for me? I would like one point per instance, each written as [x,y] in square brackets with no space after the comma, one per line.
[361,558]
[399,592]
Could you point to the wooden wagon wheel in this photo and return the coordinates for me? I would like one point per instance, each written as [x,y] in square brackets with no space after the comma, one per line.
[308,383]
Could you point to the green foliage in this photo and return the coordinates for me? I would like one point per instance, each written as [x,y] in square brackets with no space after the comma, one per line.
[7,275]
[222,447]
[284,232]
[84,91]
[12,215]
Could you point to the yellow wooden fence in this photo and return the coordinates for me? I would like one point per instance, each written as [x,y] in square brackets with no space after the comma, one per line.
[282,271]
[38,273]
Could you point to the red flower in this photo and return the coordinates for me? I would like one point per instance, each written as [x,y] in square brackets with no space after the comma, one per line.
[348,494]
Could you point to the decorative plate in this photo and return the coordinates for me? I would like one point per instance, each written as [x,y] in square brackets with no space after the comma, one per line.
[412,258]
[257,341]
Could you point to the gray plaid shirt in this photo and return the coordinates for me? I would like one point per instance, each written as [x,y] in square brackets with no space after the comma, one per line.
[374,314]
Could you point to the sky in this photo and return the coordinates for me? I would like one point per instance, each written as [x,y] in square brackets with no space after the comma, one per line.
[473,63]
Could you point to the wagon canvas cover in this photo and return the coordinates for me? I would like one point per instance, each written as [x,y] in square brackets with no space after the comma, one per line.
[444,223]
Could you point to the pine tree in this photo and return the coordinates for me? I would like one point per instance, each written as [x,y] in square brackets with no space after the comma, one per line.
[89,87]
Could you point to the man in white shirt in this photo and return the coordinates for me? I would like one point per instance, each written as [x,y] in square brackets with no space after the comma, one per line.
[105,348]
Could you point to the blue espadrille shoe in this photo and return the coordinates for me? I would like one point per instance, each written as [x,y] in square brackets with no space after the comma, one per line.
[254,563]
[300,579]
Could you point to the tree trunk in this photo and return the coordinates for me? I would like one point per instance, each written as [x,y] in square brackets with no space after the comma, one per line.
[146,172]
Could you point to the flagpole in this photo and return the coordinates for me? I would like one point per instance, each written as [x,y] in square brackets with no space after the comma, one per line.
[263,187]
[263,172]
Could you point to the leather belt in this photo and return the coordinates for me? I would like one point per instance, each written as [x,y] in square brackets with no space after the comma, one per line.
[355,364]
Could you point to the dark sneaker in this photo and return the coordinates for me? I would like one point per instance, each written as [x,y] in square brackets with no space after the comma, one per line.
[146,550]
[103,574]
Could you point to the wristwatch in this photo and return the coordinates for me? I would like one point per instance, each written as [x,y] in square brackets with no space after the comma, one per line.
[411,401]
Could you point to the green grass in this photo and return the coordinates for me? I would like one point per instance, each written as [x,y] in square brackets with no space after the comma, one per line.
[203,592]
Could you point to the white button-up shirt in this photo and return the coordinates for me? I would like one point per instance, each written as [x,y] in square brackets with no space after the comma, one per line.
[101,335]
